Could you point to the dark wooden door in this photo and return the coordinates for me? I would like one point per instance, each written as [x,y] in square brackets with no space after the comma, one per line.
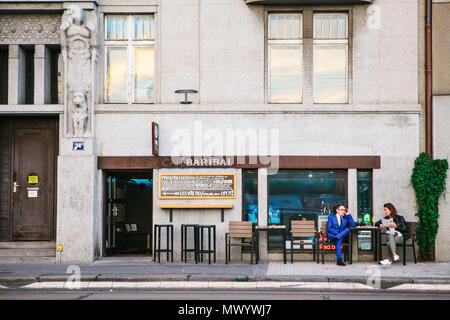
[34,185]
[6,131]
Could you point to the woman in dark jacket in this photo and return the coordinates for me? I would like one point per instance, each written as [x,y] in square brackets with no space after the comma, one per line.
[401,229]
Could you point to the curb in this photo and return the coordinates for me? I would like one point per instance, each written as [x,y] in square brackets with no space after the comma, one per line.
[226,285]
[391,281]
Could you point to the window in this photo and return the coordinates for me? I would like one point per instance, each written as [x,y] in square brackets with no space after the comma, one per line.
[324,37]
[285,58]
[250,191]
[330,57]
[364,184]
[302,194]
[130,59]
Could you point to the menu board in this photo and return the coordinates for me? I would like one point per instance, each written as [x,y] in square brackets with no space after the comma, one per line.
[197,185]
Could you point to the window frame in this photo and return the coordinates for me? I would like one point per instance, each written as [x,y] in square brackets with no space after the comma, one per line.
[129,44]
[284,42]
[338,42]
[308,52]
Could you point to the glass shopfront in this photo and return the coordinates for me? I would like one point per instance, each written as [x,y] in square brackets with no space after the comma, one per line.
[364,181]
[250,190]
[303,194]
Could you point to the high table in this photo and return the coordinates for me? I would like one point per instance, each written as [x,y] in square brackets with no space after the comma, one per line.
[258,229]
[376,240]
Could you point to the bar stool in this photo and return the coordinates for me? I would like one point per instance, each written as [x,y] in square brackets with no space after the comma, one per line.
[157,241]
[200,251]
[184,249]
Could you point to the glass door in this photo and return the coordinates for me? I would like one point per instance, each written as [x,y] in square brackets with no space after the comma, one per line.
[115,195]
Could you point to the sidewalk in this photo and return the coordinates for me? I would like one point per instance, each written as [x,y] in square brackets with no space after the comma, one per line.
[129,272]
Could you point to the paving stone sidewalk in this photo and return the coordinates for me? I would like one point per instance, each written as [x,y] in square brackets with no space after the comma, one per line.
[137,270]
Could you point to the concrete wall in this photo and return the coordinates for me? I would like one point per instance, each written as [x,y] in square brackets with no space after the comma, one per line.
[441,146]
[441,114]
[441,47]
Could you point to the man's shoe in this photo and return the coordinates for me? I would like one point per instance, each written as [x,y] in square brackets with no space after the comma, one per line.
[396,258]
[385,262]
[341,263]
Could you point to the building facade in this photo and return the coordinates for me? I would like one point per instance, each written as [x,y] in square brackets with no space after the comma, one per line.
[286,109]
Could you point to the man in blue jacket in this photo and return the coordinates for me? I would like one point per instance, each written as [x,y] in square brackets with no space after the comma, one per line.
[338,228]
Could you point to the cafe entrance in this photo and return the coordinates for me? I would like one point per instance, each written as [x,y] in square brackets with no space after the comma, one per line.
[128,213]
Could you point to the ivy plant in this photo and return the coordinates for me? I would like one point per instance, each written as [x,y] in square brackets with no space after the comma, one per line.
[428,180]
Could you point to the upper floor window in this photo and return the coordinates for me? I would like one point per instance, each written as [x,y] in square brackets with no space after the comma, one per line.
[130,58]
[330,58]
[325,42]
[285,58]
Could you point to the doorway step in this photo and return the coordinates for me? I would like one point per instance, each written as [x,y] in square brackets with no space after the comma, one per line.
[28,252]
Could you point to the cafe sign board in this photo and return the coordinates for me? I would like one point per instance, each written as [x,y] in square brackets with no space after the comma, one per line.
[197,185]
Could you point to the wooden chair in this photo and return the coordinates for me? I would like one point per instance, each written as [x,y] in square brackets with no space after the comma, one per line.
[301,229]
[244,231]
[408,242]
[324,241]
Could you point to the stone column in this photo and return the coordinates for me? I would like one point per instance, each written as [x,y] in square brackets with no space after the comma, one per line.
[39,73]
[77,219]
[13,74]
[263,199]
[353,205]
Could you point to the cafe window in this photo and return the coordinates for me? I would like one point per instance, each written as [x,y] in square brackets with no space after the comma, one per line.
[285,58]
[330,58]
[250,191]
[130,58]
[364,184]
[303,195]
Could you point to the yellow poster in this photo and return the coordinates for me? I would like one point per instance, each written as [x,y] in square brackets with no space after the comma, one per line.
[33,179]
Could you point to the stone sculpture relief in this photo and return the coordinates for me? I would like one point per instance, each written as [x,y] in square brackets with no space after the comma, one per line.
[29,28]
[79,51]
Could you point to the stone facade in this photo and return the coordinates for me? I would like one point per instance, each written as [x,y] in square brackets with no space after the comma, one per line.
[219,49]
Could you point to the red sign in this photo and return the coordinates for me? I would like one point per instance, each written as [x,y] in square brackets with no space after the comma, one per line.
[327,247]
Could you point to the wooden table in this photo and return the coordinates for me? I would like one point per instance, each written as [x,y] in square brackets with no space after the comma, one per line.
[376,240]
[268,228]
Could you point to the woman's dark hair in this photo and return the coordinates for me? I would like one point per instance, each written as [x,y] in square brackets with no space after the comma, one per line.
[393,210]
[337,206]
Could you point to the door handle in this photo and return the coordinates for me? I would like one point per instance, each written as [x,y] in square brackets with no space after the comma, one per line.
[15,186]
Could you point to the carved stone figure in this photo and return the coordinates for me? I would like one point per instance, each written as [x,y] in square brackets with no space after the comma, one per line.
[79,113]
[79,51]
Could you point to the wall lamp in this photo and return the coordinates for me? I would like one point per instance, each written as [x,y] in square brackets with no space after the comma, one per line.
[186,91]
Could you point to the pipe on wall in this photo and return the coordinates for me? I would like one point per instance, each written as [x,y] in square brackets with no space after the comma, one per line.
[428,80]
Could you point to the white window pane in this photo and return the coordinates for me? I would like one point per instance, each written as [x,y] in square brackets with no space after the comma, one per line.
[143,28]
[116,28]
[144,74]
[330,26]
[285,26]
[116,79]
[326,27]
[342,27]
[285,74]
[317,26]
[334,27]
[330,73]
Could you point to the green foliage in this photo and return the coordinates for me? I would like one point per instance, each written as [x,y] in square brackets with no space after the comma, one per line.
[428,180]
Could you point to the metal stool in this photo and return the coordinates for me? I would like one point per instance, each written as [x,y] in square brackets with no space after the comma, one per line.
[200,251]
[157,241]
[184,248]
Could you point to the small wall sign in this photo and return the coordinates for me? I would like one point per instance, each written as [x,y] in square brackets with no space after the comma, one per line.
[33,178]
[32,192]
[78,146]
[155,139]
